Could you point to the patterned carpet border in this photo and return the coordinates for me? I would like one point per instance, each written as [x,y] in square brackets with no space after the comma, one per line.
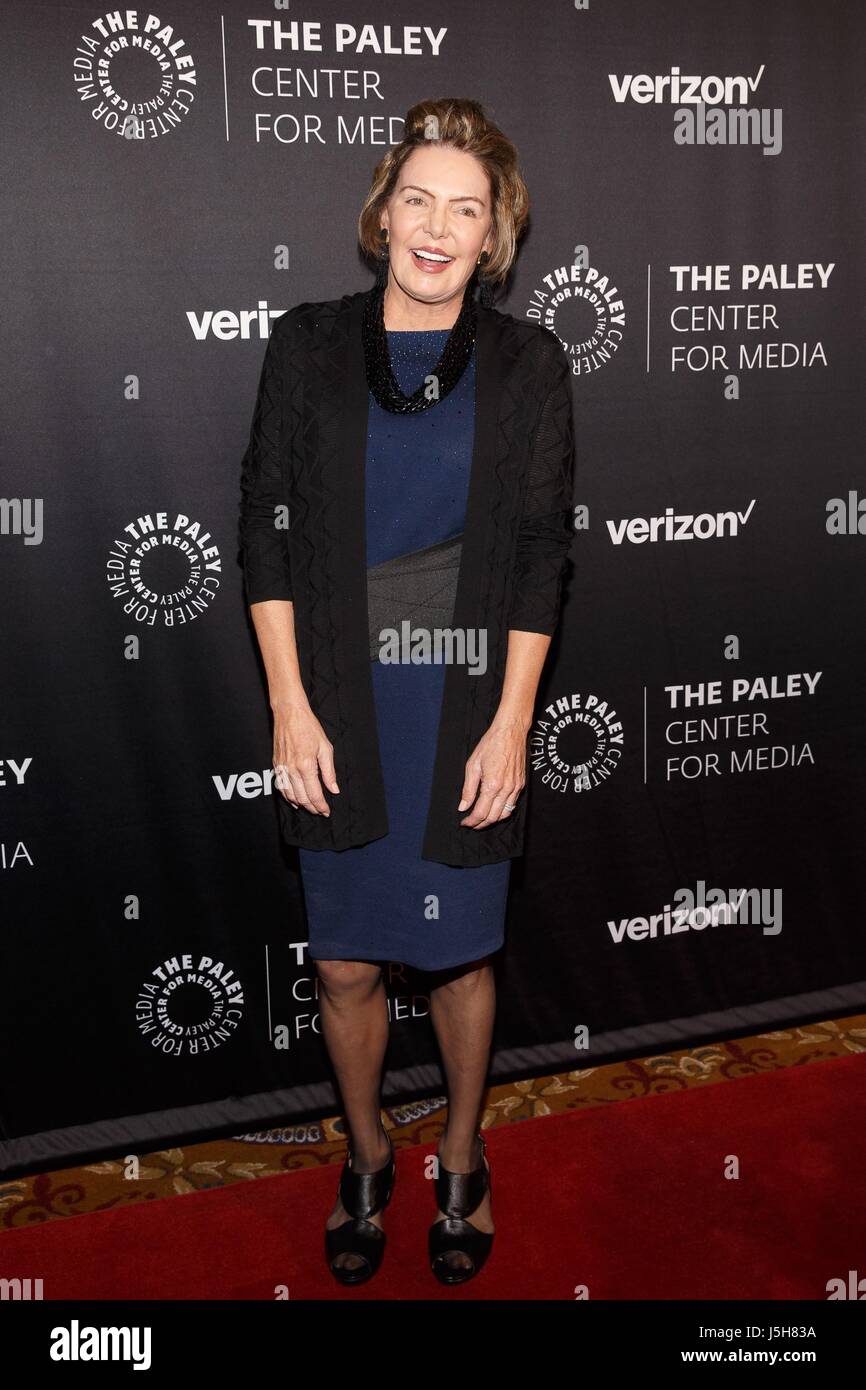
[131,1179]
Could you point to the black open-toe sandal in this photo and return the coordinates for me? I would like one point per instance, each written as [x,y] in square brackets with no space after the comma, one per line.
[458,1195]
[362,1195]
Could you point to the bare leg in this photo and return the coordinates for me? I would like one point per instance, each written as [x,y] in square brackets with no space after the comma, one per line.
[463,1009]
[354,1013]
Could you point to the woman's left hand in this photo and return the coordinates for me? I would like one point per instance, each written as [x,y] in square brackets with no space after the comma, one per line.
[496,771]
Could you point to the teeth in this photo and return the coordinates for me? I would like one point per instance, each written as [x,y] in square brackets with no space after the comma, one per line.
[431,256]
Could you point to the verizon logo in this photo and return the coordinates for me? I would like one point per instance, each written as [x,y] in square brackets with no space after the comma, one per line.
[678,526]
[678,89]
[246,784]
[227,324]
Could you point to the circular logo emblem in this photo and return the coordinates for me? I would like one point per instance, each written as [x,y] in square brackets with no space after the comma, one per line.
[135,74]
[576,743]
[583,307]
[190,1005]
[165,569]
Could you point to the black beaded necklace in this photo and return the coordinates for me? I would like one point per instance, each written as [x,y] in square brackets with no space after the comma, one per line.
[448,370]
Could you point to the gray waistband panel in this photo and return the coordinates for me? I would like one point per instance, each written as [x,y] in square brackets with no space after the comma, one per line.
[420,587]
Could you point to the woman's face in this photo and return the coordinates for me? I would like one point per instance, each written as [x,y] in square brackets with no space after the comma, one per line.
[441,203]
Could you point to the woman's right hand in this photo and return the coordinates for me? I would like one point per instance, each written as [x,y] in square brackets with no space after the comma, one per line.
[301,750]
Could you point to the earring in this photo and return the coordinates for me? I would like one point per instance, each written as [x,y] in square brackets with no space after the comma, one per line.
[485,287]
[383,260]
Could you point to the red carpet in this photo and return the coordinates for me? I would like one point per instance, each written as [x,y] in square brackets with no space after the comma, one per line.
[629,1199]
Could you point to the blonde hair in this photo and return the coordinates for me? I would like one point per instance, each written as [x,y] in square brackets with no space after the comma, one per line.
[460,123]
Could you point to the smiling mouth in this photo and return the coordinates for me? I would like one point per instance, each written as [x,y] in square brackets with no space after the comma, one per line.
[430,256]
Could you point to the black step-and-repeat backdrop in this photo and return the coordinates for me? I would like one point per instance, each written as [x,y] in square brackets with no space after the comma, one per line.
[173,180]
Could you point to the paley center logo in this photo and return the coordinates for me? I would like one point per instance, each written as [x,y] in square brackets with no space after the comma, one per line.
[190,1005]
[560,301]
[165,572]
[576,743]
[134,72]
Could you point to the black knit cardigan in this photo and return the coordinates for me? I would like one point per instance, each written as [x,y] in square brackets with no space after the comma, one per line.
[306,460]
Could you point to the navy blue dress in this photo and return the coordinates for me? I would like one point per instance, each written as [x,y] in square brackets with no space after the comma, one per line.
[381,901]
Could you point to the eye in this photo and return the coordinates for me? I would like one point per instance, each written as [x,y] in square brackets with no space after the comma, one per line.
[471,211]
[415,198]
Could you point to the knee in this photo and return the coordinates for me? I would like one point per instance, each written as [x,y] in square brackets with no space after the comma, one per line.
[341,977]
[462,981]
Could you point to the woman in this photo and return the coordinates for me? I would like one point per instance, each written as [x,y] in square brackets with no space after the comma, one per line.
[420,445]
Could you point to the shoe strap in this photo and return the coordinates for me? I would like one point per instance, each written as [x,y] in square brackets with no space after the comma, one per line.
[458,1194]
[363,1194]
